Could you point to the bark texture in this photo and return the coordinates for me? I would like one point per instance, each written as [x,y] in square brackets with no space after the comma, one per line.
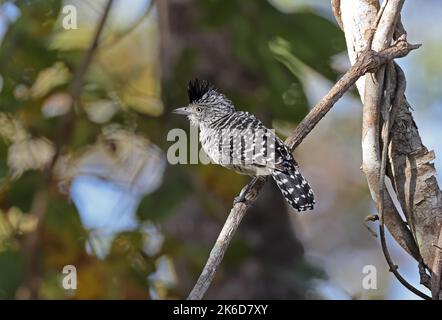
[413,176]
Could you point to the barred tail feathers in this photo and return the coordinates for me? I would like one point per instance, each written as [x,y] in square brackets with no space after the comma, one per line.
[295,189]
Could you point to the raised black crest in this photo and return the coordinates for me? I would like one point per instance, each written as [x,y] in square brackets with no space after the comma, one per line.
[197,88]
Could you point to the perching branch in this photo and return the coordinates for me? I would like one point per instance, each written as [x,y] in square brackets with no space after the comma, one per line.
[62,134]
[368,61]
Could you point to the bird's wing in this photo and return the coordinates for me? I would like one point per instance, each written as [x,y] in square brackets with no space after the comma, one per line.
[247,140]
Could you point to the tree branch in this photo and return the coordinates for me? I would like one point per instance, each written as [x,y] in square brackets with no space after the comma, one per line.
[388,116]
[368,61]
[403,154]
[371,155]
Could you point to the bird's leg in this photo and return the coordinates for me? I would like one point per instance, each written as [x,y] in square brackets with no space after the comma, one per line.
[242,195]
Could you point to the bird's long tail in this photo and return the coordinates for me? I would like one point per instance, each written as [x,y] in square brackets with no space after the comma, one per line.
[295,189]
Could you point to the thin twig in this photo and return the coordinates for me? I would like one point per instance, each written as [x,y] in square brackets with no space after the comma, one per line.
[393,267]
[369,61]
[167,49]
[371,218]
[385,112]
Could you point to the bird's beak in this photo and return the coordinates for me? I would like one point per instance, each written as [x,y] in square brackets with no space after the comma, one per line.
[183,111]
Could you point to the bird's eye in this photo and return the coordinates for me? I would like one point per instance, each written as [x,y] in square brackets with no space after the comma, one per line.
[198,109]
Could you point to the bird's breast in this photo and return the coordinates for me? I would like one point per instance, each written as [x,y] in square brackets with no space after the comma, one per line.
[210,141]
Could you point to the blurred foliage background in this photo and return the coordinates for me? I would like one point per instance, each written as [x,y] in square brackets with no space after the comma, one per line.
[136,227]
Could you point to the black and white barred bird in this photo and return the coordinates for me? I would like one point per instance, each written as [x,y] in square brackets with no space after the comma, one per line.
[239,141]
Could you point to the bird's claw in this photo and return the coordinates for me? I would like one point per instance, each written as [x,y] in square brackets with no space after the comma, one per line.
[238,199]
[241,199]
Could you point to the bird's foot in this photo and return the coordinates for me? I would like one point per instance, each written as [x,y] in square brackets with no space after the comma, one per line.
[241,199]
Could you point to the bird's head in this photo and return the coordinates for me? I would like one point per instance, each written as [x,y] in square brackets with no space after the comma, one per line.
[206,104]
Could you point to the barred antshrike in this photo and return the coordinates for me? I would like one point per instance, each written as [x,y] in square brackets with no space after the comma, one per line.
[239,141]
